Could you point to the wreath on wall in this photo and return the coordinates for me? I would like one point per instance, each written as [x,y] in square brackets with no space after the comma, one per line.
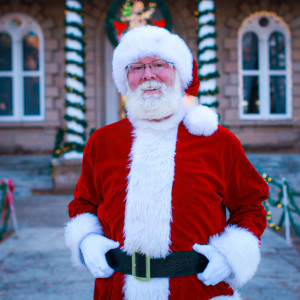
[125,15]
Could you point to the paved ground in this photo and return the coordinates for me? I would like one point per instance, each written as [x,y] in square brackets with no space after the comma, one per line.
[35,264]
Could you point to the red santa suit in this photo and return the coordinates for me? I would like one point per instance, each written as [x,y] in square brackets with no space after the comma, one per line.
[161,187]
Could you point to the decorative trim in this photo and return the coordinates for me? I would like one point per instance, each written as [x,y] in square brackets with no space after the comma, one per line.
[235,296]
[76,229]
[75,81]
[148,217]
[207,49]
[241,249]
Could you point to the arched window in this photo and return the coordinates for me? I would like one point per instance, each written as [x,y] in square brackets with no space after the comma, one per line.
[264,68]
[21,69]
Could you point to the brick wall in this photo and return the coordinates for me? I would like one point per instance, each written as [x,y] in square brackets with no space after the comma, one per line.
[264,134]
[39,136]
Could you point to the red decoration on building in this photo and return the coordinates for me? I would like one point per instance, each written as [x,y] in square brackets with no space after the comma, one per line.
[120,27]
[161,23]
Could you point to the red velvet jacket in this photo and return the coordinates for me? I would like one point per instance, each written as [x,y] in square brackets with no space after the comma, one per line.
[211,173]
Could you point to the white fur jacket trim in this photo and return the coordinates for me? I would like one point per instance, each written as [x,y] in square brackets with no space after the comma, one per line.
[235,296]
[76,229]
[241,249]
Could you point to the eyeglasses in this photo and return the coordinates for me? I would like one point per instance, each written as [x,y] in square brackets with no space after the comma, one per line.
[156,66]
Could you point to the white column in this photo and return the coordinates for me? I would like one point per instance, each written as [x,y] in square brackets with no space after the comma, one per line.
[75,83]
[207,68]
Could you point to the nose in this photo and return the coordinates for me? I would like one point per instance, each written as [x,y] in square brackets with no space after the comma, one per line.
[148,73]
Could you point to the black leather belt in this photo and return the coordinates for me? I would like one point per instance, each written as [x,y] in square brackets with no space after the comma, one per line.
[142,267]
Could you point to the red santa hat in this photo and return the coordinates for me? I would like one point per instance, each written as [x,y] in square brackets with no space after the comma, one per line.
[145,41]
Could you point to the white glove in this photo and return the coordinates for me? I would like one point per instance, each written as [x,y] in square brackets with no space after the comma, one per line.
[93,248]
[217,269]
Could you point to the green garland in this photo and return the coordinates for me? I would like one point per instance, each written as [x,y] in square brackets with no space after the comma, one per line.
[75,105]
[209,23]
[215,48]
[81,79]
[74,37]
[213,104]
[57,151]
[207,62]
[205,12]
[209,76]
[78,26]
[74,91]
[79,52]
[71,146]
[209,92]
[4,188]
[79,121]
[209,35]
[291,208]
[75,10]
[71,131]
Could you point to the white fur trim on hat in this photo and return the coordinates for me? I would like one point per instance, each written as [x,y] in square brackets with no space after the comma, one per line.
[201,120]
[76,229]
[145,41]
[241,249]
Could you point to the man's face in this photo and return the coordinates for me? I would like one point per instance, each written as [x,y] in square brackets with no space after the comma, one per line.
[153,93]
[165,76]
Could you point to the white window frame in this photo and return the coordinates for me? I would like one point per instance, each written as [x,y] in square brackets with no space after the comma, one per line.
[276,24]
[17,74]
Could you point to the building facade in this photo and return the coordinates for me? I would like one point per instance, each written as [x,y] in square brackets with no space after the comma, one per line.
[258,62]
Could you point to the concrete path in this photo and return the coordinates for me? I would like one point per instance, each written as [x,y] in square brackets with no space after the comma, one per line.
[35,263]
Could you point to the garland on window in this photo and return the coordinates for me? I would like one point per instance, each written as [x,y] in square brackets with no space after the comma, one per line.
[207,60]
[7,208]
[74,133]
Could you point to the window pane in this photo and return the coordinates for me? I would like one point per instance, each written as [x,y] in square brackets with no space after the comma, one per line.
[250,93]
[5,96]
[31,51]
[250,51]
[31,96]
[5,52]
[277,51]
[277,87]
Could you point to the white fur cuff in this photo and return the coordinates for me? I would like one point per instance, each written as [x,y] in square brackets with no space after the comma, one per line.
[241,248]
[77,228]
[235,296]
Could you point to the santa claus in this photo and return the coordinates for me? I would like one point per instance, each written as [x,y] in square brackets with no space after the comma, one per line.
[148,218]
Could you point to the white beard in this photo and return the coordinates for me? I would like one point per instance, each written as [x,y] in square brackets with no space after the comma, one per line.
[154,107]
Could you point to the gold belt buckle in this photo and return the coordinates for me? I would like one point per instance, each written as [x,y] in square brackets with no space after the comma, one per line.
[133,261]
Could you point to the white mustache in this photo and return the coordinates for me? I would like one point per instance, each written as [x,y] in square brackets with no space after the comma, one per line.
[150,85]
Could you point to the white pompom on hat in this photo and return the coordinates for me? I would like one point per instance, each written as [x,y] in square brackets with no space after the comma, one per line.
[145,41]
